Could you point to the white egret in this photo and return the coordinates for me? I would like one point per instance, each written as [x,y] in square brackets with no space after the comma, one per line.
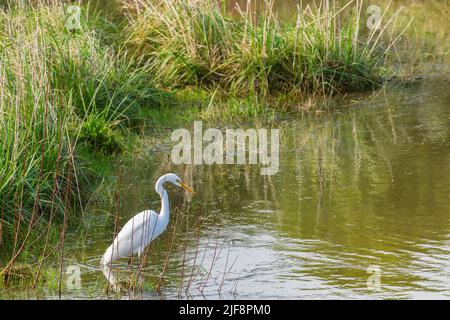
[141,229]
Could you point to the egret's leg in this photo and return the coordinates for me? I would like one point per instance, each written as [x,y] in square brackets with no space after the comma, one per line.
[108,273]
[130,260]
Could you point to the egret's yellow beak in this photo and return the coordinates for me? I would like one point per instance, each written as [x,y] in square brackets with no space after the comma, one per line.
[187,188]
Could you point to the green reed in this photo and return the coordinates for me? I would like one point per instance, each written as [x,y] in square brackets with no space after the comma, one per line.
[62,92]
[194,43]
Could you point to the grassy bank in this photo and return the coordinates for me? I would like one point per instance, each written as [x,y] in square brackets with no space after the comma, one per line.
[63,94]
[70,98]
[195,43]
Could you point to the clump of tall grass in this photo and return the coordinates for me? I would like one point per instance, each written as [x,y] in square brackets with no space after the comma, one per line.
[195,43]
[59,89]
[36,154]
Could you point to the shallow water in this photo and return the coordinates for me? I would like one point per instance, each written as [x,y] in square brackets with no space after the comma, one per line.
[361,187]
[364,186]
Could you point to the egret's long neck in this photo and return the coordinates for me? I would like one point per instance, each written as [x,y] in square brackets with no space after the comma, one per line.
[163,216]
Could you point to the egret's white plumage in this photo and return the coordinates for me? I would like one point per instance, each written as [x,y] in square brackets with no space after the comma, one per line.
[141,229]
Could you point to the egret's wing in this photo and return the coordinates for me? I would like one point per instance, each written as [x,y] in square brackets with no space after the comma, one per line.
[137,223]
[136,234]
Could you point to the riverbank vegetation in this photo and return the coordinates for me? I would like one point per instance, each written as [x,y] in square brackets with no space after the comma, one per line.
[97,89]
[197,44]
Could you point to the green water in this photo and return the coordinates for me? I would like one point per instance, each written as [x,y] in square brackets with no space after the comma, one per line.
[362,185]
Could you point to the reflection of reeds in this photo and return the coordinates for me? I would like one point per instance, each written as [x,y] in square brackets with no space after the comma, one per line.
[202,285]
[68,199]
[191,277]
[166,261]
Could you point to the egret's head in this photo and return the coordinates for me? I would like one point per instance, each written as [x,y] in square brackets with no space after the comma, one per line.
[174,179]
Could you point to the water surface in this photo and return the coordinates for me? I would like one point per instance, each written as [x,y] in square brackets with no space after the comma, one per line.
[363,185]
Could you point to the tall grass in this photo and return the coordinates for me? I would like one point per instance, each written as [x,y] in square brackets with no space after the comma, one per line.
[64,91]
[36,152]
[59,91]
[195,43]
